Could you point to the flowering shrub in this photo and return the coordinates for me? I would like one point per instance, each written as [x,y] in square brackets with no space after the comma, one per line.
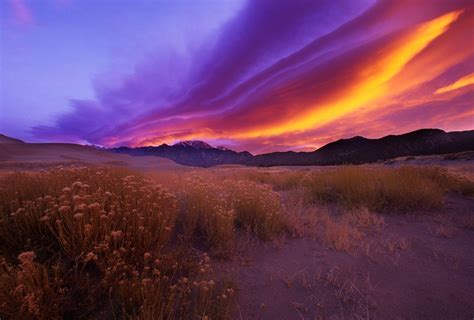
[208,214]
[258,208]
[215,209]
[70,238]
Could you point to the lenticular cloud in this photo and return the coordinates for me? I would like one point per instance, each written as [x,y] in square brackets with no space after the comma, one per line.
[283,75]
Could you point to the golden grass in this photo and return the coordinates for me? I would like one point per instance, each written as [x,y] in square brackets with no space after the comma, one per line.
[374,187]
[377,188]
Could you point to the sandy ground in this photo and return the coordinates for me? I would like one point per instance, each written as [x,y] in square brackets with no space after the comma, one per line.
[416,268]
[27,156]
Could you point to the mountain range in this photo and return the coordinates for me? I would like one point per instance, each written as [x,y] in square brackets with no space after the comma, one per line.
[191,153]
[355,150]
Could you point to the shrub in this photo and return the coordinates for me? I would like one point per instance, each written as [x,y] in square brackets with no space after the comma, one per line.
[258,209]
[207,213]
[214,209]
[279,179]
[79,242]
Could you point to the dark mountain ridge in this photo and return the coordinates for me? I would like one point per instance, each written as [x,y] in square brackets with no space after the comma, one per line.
[191,153]
[359,150]
[354,150]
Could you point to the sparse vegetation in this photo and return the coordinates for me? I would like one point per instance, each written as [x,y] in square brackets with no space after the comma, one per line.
[375,187]
[85,242]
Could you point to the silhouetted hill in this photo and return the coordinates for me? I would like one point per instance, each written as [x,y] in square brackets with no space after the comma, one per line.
[358,150]
[355,150]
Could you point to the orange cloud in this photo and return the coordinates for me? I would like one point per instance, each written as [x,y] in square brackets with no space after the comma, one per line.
[371,83]
[462,82]
[381,73]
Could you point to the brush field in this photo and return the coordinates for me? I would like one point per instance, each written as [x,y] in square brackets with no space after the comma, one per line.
[89,242]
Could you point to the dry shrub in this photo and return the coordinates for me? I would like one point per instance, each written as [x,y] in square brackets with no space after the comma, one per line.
[79,242]
[85,213]
[30,289]
[257,208]
[213,209]
[346,230]
[379,188]
[461,185]
[208,213]
[341,236]
[363,218]
[303,219]
[375,187]
[281,180]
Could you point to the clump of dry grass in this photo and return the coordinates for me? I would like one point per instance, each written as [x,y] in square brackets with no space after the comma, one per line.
[379,188]
[364,219]
[340,236]
[376,187]
[79,242]
[357,296]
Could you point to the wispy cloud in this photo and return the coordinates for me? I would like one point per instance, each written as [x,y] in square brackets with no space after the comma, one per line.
[282,75]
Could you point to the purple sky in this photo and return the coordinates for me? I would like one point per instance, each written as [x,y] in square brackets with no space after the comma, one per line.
[258,75]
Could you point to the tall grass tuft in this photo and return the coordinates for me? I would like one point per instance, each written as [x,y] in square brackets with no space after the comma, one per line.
[380,188]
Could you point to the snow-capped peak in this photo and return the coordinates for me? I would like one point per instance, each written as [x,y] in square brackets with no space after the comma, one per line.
[196,144]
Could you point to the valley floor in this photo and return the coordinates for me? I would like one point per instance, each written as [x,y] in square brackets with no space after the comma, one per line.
[334,261]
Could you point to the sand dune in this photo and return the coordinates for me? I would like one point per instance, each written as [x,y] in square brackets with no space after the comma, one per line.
[17,154]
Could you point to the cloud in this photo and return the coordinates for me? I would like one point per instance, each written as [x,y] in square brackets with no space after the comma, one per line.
[21,13]
[282,75]
[462,82]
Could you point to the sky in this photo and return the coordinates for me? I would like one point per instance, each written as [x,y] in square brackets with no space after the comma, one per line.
[261,76]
